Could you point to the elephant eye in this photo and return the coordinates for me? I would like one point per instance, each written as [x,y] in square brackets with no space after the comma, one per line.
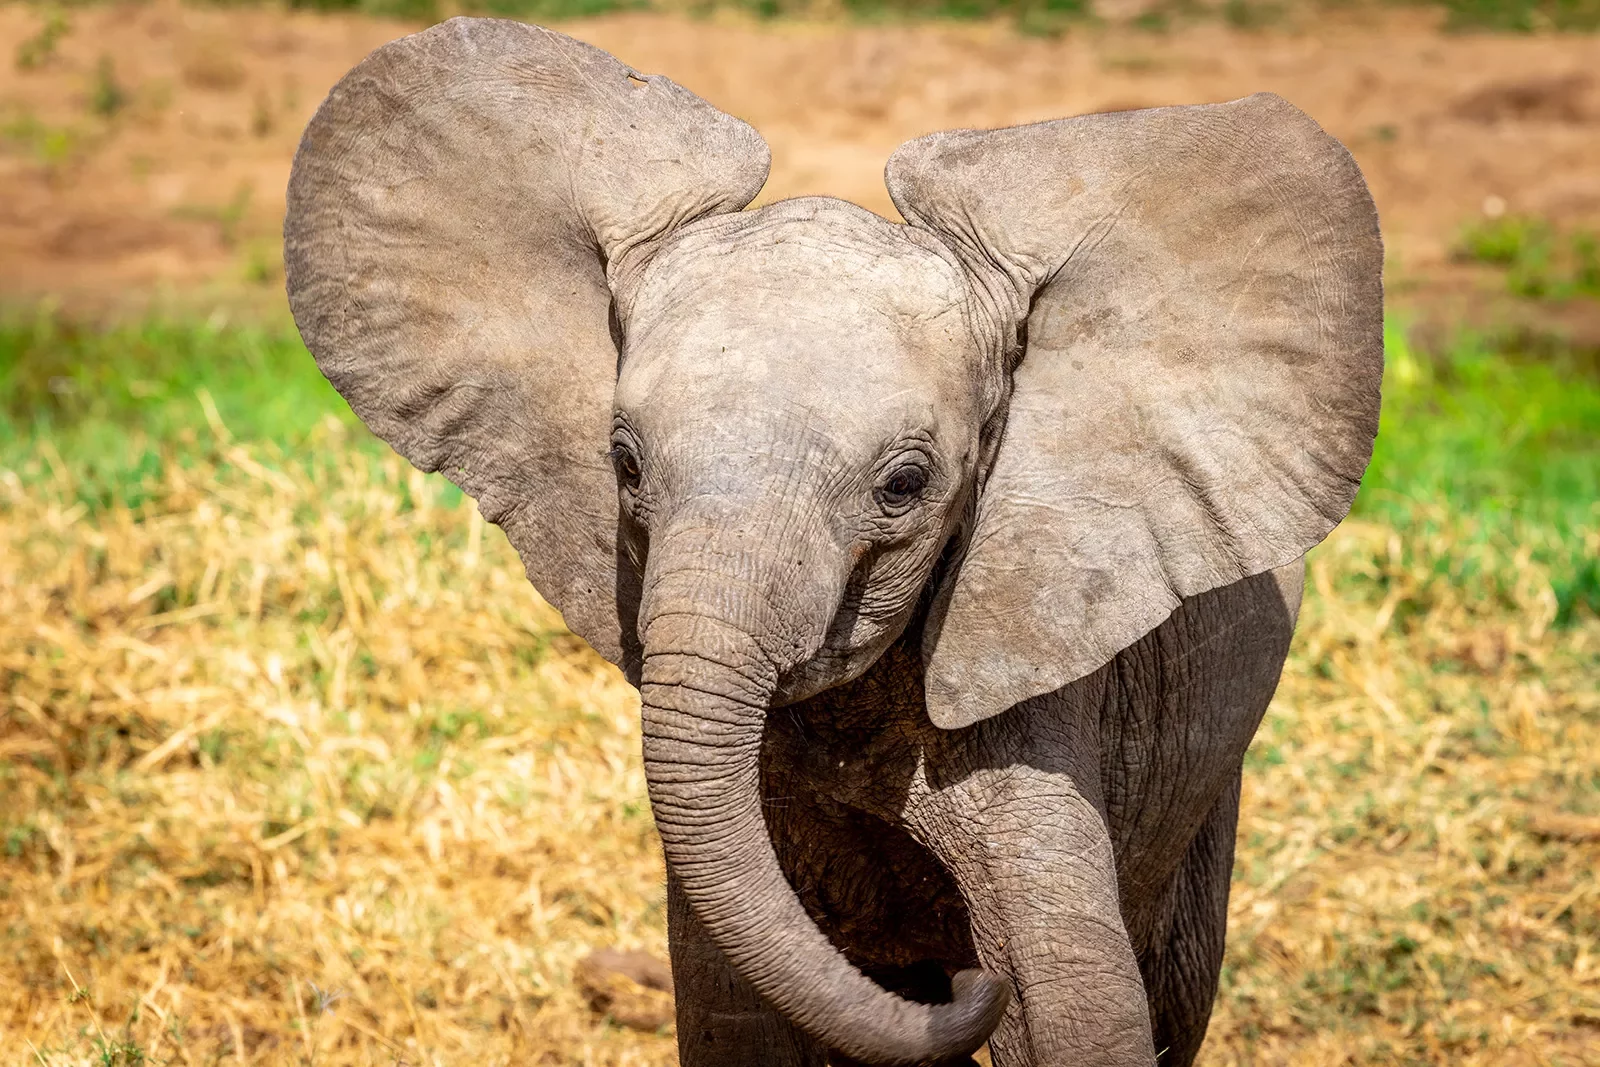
[626,461]
[902,487]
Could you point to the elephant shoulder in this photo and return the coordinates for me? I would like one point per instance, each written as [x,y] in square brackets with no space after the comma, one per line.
[1226,644]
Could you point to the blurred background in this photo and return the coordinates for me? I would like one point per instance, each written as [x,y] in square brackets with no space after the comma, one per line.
[296,768]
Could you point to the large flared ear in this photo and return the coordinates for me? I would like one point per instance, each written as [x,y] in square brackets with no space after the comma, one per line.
[1199,295]
[455,207]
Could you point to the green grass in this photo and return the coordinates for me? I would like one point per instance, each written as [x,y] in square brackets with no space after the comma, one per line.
[1030,17]
[1540,262]
[67,381]
[118,405]
[1494,436]
[1522,16]
[1480,431]
[1506,441]
[37,50]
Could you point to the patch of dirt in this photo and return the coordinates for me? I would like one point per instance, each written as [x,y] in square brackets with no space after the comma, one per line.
[1562,99]
[147,153]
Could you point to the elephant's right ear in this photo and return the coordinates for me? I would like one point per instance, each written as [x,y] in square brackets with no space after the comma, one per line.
[454,210]
[1201,290]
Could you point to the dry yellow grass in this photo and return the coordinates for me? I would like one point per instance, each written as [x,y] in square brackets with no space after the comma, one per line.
[298,769]
[293,736]
[1418,870]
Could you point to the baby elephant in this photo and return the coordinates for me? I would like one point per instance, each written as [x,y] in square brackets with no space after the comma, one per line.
[955,561]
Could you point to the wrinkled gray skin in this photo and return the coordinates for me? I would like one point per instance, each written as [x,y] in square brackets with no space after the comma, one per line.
[955,561]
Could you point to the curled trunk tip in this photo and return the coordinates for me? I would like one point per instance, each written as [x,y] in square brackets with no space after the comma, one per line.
[702,744]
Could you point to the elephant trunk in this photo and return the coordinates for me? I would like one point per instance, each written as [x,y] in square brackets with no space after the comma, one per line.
[706,686]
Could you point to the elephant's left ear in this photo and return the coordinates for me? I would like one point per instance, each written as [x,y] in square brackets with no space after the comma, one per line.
[1200,294]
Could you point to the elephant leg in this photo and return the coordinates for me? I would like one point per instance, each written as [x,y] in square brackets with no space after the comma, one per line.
[1182,970]
[722,1021]
[1029,849]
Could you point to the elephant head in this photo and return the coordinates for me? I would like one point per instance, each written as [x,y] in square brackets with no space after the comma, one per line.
[1110,362]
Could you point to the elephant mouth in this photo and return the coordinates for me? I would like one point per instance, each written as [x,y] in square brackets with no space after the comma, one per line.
[904,922]
[858,637]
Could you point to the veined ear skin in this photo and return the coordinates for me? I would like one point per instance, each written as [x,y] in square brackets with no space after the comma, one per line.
[453,209]
[1198,398]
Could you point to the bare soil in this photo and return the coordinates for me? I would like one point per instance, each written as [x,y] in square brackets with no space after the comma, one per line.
[177,193]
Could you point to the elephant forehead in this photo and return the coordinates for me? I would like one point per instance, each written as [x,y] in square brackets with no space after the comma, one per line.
[807,299]
[823,261]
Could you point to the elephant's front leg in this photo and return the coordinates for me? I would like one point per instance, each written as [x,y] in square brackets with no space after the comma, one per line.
[722,1021]
[1025,839]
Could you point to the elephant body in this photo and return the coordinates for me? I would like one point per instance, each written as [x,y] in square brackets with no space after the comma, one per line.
[922,852]
[955,561]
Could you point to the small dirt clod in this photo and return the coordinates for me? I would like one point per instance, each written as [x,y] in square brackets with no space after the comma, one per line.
[633,988]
